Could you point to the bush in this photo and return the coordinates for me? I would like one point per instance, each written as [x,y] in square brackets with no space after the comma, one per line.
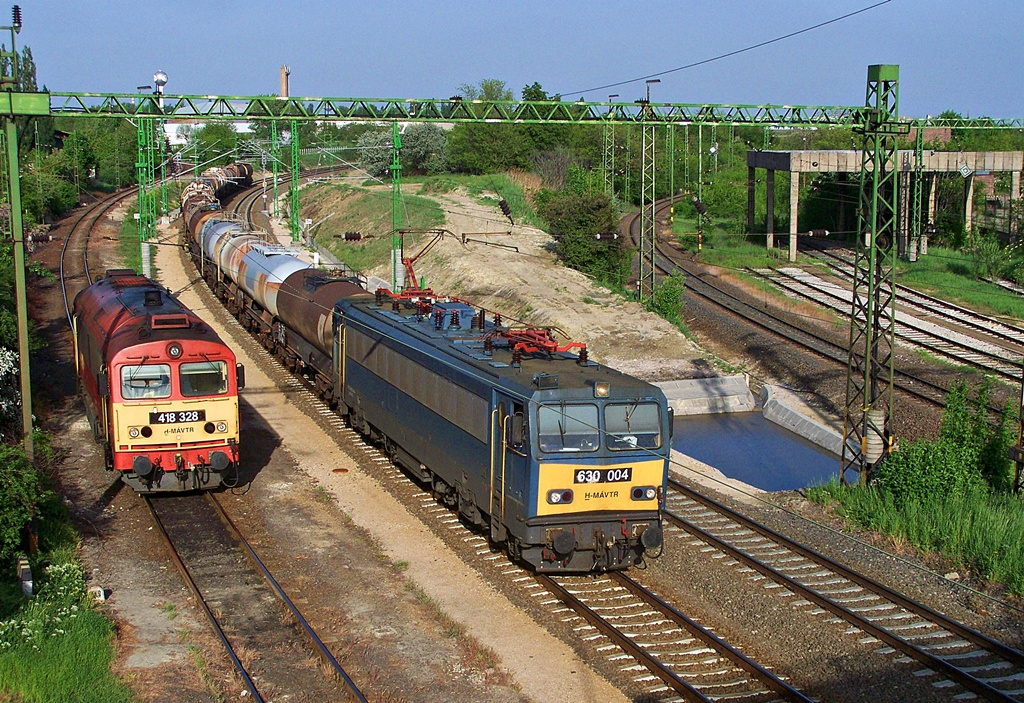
[575,220]
[667,299]
[975,529]
[21,492]
[969,452]
[926,468]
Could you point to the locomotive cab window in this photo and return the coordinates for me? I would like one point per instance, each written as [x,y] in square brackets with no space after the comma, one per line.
[567,428]
[632,426]
[204,378]
[145,381]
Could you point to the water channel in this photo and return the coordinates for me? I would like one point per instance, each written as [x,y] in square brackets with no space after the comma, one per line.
[749,448]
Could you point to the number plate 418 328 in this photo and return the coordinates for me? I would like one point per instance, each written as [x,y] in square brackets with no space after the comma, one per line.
[173,417]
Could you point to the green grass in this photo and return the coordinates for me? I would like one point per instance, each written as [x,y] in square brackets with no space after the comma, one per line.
[974,530]
[128,241]
[722,246]
[71,664]
[948,274]
[487,190]
[54,647]
[368,212]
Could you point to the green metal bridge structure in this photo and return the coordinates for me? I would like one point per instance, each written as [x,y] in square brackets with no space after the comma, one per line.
[869,396]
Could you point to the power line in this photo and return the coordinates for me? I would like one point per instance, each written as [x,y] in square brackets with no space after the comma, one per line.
[731,53]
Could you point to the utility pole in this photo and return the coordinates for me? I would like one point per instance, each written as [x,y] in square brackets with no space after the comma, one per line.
[396,207]
[146,199]
[609,152]
[275,159]
[293,192]
[160,80]
[9,84]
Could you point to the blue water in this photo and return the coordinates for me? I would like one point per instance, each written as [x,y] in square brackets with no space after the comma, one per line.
[747,447]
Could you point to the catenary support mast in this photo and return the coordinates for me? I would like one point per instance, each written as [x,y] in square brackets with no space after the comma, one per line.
[869,391]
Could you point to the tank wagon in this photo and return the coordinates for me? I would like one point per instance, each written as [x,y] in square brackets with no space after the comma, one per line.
[205,193]
[160,387]
[561,459]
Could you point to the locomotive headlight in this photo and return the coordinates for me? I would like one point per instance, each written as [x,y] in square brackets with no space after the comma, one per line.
[174,350]
[560,495]
[643,493]
[133,432]
[222,427]
[602,389]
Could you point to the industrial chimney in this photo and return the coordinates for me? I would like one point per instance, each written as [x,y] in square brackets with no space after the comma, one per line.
[285,72]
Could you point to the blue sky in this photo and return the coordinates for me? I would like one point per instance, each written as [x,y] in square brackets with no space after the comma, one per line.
[953,54]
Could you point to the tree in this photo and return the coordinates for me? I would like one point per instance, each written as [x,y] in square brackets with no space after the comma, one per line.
[45,196]
[488,89]
[576,220]
[116,152]
[544,137]
[425,150]
[215,143]
[76,160]
[21,491]
[28,127]
[375,152]
[488,148]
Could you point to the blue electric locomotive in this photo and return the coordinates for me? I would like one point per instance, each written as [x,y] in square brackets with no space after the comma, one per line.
[565,460]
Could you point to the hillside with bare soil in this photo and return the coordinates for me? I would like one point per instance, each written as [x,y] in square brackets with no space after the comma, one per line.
[518,275]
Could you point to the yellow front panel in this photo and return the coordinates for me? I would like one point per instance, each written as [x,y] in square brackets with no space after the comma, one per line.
[589,497]
[136,414]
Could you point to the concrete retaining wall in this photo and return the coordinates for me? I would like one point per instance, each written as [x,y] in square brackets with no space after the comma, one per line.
[776,411]
[702,396]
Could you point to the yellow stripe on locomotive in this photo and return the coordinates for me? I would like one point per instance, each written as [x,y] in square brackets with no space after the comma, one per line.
[577,488]
[193,424]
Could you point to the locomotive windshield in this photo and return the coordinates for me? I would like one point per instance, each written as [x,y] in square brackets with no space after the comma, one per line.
[204,378]
[632,426]
[568,428]
[145,381]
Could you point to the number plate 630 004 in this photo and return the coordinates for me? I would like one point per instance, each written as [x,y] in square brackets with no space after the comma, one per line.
[603,475]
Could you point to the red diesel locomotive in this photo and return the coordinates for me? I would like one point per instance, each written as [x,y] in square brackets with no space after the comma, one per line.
[160,387]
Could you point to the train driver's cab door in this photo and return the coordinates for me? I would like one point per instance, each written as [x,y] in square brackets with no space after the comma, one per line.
[509,462]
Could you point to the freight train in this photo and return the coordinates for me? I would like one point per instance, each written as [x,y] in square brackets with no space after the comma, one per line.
[562,460]
[160,387]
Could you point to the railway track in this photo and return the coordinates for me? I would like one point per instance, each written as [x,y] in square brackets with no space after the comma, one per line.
[1010,336]
[668,260]
[653,644]
[952,652]
[188,532]
[238,601]
[911,329]
[683,662]
[74,274]
[687,659]
[653,648]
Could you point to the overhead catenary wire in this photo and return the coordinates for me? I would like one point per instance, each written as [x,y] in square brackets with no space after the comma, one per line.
[729,53]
